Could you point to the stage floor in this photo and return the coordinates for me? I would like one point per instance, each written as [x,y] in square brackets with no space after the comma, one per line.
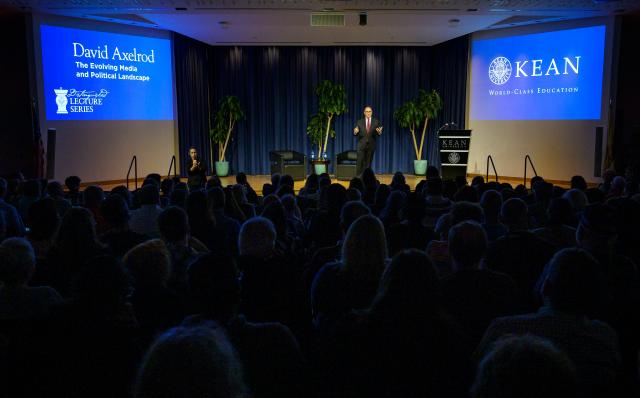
[257,181]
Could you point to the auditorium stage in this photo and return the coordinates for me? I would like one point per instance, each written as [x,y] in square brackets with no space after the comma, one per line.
[257,181]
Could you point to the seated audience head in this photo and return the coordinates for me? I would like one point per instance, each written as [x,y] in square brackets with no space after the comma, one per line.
[351,211]
[155,177]
[356,183]
[463,211]
[179,197]
[477,181]
[398,180]
[197,208]
[543,191]
[214,286]
[434,187]
[578,182]
[618,184]
[369,179]
[311,184]
[332,198]
[577,199]
[514,215]
[17,262]
[285,190]
[467,245]
[353,194]
[382,194]
[467,194]
[93,196]
[31,188]
[409,286]
[595,228]
[103,285]
[149,263]
[190,362]
[286,179]
[535,179]
[364,250]
[323,181]
[238,193]
[115,211]
[43,220]
[491,203]
[525,367]
[216,198]
[275,213]
[124,193]
[77,231]
[166,186]
[73,184]
[257,237]
[149,195]
[560,212]
[212,182]
[54,189]
[173,224]
[275,180]
[432,172]
[291,208]
[573,283]
[241,178]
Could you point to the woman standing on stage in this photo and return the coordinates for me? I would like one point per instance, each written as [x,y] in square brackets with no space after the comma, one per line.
[197,171]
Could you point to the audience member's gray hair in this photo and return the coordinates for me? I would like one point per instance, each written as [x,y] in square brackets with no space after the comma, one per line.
[190,362]
[17,261]
[257,237]
[525,367]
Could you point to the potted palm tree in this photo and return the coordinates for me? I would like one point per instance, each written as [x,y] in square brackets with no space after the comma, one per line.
[332,102]
[316,131]
[228,114]
[414,115]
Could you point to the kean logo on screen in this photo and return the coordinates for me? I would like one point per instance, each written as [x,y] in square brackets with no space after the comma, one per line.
[500,68]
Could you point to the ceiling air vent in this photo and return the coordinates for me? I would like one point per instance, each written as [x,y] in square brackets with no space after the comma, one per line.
[327,19]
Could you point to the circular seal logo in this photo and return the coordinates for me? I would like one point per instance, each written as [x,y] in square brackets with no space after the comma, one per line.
[454,157]
[499,70]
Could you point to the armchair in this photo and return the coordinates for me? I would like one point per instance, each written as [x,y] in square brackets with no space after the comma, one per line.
[288,162]
[346,165]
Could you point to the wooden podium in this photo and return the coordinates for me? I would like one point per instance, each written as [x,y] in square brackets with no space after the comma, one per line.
[454,153]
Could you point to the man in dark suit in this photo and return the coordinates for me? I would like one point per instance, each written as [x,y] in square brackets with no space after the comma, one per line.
[367,130]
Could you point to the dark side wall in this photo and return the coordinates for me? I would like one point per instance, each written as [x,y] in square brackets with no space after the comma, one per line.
[16,133]
[626,148]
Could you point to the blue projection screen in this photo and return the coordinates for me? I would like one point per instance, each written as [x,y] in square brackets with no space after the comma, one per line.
[90,75]
[544,76]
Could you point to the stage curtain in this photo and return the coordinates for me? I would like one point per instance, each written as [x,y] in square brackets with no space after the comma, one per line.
[192,70]
[449,77]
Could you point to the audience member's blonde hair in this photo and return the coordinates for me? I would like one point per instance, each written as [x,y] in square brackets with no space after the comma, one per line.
[364,251]
[149,262]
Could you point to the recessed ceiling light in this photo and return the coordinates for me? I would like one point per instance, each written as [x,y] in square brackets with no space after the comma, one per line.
[453,23]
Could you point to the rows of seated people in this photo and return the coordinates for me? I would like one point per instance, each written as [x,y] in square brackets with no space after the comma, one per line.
[449,290]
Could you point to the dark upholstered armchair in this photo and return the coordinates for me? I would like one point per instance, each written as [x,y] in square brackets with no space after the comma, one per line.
[289,162]
[346,165]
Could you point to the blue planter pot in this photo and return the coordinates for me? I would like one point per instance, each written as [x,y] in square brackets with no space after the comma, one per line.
[222,169]
[420,167]
[320,168]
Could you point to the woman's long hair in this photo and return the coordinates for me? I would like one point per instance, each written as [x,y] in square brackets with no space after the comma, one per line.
[364,251]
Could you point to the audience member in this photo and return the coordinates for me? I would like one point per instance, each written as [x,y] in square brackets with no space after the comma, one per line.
[119,237]
[17,300]
[144,219]
[13,223]
[55,192]
[572,289]
[525,367]
[191,362]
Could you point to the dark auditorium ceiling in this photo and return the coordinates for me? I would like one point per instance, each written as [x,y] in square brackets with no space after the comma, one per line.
[289,22]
